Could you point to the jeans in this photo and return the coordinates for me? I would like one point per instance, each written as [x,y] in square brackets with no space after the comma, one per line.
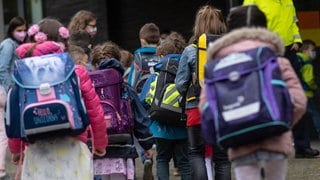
[301,133]
[222,165]
[165,149]
[196,153]
[261,165]
[313,110]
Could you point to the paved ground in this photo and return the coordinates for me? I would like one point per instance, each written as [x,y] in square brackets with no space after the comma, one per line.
[299,169]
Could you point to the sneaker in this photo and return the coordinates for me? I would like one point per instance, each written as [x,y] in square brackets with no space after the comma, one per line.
[306,153]
[176,172]
[147,170]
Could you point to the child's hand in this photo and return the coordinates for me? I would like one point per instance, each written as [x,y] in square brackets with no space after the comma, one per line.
[100,152]
[16,158]
[149,153]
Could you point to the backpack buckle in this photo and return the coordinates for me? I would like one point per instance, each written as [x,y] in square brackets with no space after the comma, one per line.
[45,89]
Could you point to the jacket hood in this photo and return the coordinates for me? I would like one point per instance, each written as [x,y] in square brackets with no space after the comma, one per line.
[258,36]
[111,63]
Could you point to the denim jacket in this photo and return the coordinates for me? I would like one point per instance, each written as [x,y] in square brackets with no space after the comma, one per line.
[8,56]
[187,66]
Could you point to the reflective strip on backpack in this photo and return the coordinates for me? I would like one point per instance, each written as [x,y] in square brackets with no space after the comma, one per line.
[171,96]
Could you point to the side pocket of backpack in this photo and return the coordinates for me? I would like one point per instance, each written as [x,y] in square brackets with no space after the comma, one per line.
[12,113]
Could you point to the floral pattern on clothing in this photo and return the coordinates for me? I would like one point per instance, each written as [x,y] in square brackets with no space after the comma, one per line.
[109,166]
[57,159]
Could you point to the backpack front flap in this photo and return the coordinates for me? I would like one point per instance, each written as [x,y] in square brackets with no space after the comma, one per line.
[143,63]
[107,83]
[247,97]
[166,107]
[50,98]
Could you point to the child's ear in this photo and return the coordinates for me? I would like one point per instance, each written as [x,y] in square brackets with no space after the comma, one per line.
[143,42]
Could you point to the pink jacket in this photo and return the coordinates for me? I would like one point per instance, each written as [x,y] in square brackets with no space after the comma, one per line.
[94,110]
[248,38]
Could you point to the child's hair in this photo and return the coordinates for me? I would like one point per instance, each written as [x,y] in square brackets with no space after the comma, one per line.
[126,58]
[209,20]
[80,38]
[103,51]
[48,29]
[174,44]
[80,20]
[246,16]
[78,55]
[150,33]
[306,44]
[13,24]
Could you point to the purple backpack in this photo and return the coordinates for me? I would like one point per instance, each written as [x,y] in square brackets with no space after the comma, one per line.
[247,99]
[115,102]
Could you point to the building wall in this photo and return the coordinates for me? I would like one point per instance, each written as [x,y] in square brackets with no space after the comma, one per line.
[64,10]
[121,20]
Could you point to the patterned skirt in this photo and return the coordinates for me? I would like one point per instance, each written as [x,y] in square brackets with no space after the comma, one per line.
[109,166]
[59,159]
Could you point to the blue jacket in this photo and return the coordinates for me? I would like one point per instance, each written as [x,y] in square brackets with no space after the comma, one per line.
[187,66]
[7,57]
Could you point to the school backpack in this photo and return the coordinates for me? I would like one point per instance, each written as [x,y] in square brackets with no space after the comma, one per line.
[198,76]
[46,100]
[247,99]
[116,104]
[144,59]
[302,63]
[166,104]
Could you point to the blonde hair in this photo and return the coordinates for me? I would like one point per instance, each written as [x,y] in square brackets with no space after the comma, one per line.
[209,20]
[103,51]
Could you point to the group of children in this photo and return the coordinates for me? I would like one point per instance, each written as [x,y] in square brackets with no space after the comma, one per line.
[70,158]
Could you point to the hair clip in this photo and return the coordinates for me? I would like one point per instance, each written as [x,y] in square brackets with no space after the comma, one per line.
[64,32]
[34,29]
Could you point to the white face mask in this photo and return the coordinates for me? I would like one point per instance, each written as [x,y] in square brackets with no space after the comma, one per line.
[313,54]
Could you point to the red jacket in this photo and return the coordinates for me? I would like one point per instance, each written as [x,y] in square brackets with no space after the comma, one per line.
[94,110]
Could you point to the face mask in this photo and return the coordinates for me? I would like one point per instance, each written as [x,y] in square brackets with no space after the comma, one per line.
[312,54]
[93,31]
[19,36]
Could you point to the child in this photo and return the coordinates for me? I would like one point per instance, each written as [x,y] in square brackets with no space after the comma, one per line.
[306,55]
[149,35]
[145,58]
[118,163]
[81,38]
[68,157]
[208,20]
[270,155]
[16,35]
[170,140]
